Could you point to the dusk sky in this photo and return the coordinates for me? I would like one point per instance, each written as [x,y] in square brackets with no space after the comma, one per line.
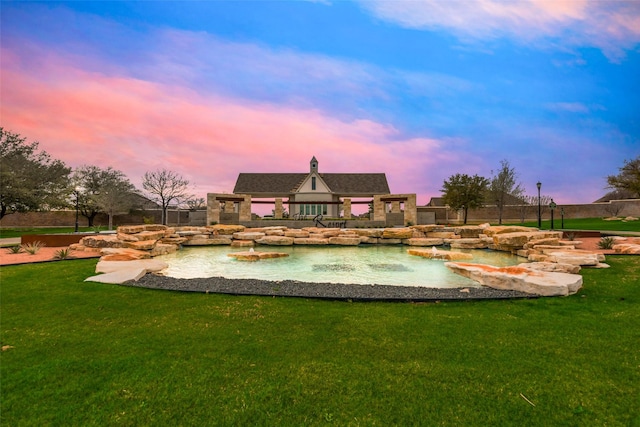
[420,90]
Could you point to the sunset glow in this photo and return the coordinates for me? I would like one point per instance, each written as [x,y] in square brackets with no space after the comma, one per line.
[418,90]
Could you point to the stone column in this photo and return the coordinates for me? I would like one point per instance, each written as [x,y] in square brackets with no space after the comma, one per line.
[229,207]
[245,208]
[279,210]
[213,209]
[346,206]
[411,210]
[395,207]
[379,213]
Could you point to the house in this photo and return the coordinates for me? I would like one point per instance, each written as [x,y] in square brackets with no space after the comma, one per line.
[313,192]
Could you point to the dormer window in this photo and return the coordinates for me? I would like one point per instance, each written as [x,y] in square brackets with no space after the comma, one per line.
[313,182]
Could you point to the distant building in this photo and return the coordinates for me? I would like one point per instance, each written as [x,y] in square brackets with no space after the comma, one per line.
[312,193]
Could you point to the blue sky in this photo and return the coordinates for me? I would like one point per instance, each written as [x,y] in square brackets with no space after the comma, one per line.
[420,90]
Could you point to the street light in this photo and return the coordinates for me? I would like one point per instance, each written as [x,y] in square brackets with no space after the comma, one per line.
[539,184]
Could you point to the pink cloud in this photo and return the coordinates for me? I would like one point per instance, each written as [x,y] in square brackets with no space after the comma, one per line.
[133,125]
[612,27]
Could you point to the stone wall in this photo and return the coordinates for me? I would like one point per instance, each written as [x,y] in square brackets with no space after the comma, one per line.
[514,214]
[67,218]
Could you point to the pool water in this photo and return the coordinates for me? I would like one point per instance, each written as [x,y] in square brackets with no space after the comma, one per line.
[379,265]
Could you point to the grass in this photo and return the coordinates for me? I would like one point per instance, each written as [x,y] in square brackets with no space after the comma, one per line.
[598,224]
[91,354]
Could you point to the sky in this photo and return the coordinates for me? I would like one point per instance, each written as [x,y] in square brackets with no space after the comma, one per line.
[419,90]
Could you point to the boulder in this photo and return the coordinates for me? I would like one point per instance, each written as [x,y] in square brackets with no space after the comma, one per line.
[102,241]
[369,240]
[213,240]
[517,240]
[344,241]
[142,245]
[226,229]
[423,242]
[274,232]
[382,241]
[248,235]
[130,229]
[367,232]
[117,272]
[468,243]
[442,235]
[627,248]
[542,283]
[243,244]
[434,253]
[397,233]
[575,257]
[256,256]
[124,253]
[469,231]
[502,229]
[552,266]
[163,249]
[275,241]
[310,241]
[548,241]
[173,240]
[425,228]
[296,233]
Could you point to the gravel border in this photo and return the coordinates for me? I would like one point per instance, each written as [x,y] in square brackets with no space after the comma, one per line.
[330,291]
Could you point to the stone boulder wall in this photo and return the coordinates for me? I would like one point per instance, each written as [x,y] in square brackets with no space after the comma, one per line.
[503,229]
[627,248]
[202,240]
[344,241]
[102,241]
[469,243]
[275,241]
[310,241]
[227,230]
[397,233]
[516,240]
[248,235]
[535,282]
[425,241]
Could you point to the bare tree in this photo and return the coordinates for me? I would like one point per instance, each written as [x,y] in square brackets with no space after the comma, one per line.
[165,186]
[531,205]
[504,188]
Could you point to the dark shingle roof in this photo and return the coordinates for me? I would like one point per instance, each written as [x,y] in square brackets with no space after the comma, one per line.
[285,183]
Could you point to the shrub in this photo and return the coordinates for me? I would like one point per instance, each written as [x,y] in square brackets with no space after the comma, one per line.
[64,253]
[14,249]
[606,242]
[32,248]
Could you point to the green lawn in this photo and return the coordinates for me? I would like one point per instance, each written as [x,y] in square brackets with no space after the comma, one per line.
[587,224]
[92,355]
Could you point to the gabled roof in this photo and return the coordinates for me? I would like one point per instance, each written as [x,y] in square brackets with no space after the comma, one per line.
[353,184]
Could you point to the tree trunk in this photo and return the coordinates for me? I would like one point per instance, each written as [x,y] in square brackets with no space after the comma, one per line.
[465,215]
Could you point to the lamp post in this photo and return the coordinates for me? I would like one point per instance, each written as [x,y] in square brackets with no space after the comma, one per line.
[539,184]
[552,206]
[77,193]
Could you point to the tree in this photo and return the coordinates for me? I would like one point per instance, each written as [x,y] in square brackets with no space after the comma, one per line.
[503,187]
[102,190]
[628,178]
[29,180]
[462,191]
[530,204]
[164,186]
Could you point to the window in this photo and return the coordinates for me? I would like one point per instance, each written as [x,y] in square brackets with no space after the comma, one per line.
[313,182]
